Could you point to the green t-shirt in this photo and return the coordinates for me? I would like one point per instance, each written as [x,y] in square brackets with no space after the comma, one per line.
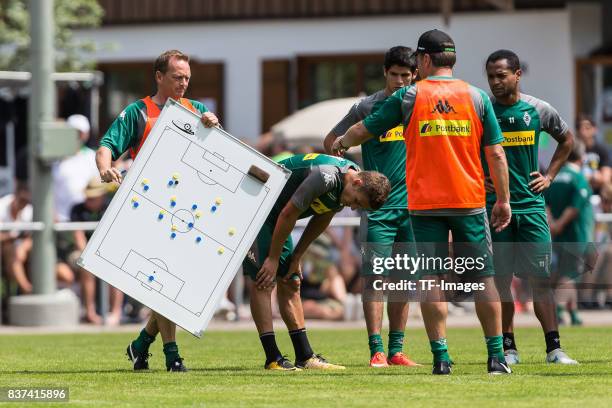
[385,153]
[571,189]
[399,106]
[521,125]
[127,129]
[315,185]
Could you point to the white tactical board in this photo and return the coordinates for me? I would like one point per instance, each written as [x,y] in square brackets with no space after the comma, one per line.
[183,218]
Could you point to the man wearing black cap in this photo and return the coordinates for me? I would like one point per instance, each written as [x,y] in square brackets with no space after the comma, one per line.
[446,124]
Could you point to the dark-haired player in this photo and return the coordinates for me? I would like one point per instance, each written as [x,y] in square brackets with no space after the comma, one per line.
[382,228]
[524,248]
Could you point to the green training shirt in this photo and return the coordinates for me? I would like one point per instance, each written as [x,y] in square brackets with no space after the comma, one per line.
[571,189]
[385,153]
[127,129]
[315,185]
[521,125]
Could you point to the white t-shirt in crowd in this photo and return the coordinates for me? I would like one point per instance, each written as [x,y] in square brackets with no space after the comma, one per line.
[70,177]
[25,215]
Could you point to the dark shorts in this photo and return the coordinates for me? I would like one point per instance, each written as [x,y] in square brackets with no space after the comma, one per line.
[472,247]
[259,252]
[524,247]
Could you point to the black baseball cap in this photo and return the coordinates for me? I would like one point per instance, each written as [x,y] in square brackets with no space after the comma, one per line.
[434,41]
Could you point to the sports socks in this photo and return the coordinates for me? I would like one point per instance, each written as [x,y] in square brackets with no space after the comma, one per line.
[302,348]
[495,346]
[375,342]
[509,343]
[143,341]
[439,349]
[553,341]
[268,341]
[171,352]
[396,342]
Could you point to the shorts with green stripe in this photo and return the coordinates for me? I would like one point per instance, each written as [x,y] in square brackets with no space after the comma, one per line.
[384,233]
[259,252]
[471,246]
[523,248]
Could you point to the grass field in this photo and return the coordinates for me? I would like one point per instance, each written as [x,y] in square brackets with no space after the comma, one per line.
[226,370]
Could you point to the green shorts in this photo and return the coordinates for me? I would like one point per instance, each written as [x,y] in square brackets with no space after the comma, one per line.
[472,248]
[524,247]
[259,252]
[569,259]
[384,233]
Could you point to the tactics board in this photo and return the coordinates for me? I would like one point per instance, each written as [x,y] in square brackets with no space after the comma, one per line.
[184,218]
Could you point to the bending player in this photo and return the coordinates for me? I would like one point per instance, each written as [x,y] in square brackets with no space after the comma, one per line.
[524,248]
[319,186]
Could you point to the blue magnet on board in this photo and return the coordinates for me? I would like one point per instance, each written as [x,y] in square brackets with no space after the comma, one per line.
[135,204]
[146,188]
[214,208]
[190,225]
[194,207]
[199,239]
[151,278]
[171,183]
[173,235]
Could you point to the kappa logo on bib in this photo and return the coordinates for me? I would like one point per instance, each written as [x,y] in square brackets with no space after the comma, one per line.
[439,127]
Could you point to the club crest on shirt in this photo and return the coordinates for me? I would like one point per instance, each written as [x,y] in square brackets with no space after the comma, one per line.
[527,118]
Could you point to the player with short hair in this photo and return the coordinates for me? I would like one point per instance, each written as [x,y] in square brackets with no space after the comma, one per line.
[319,187]
[128,132]
[380,229]
[447,123]
[524,248]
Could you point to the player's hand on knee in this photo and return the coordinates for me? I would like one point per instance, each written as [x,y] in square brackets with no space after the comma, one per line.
[267,273]
[111,174]
[295,272]
[209,119]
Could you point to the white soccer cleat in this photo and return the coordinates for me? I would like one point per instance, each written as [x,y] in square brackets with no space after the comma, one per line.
[558,356]
[512,357]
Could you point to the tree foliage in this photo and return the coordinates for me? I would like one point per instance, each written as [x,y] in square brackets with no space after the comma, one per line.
[70,54]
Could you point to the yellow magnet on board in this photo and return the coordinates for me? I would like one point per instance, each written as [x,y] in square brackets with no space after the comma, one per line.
[145,181]
[218,201]
[175,176]
[174,228]
[232,231]
[198,214]
[221,250]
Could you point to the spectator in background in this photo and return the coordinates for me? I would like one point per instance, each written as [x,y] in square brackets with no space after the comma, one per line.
[92,209]
[571,227]
[16,245]
[323,290]
[71,175]
[596,160]
[601,277]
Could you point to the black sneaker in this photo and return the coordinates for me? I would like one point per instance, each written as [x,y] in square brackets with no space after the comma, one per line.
[442,368]
[140,360]
[496,366]
[177,365]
